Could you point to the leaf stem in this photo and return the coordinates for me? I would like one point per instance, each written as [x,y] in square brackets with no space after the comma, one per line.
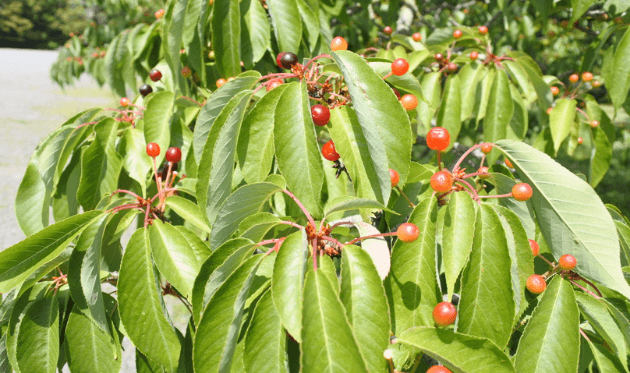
[404,195]
[584,289]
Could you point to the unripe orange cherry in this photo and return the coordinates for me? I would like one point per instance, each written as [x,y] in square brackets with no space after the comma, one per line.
[444,314]
[451,67]
[580,140]
[186,72]
[535,247]
[160,13]
[416,36]
[124,102]
[400,66]
[438,138]
[483,30]
[273,84]
[508,163]
[442,181]
[587,76]
[574,78]
[457,34]
[409,102]
[486,149]
[483,172]
[522,192]
[549,111]
[567,262]
[597,83]
[438,369]
[536,284]
[394,176]
[338,44]
[221,82]
[408,232]
[594,124]
[387,30]
[474,55]
[555,90]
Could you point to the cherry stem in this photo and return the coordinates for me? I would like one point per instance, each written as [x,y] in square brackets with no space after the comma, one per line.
[191,100]
[546,260]
[483,159]
[267,242]
[126,191]
[439,159]
[146,215]
[137,106]
[474,194]
[388,75]
[341,223]
[584,289]
[163,194]
[301,206]
[372,236]
[583,113]
[83,125]
[338,95]
[157,180]
[474,174]
[461,159]
[498,195]
[128,206]
[315,59]
[330,239]
[591,284]
[314,252]
[296,225]
[404,195]
[584,335]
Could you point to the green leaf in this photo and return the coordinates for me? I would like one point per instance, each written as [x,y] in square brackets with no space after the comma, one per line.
[561,121]
[22,259]
[216,167]
[600,156]
[188,210]
[385,123]
[469,77]
[219,327]
[457,237]
[523,210]
[84,273]
[257,226]
[498,112]
[310,19]
[606,361]
[226,37]
[551,340]
[520,119]
[287,281]
[136,161]
[364,300]
[328,344]
[113,71]
[265,343]
[140,302]
[459,352]
[38,337]
[255,142]
[214,106]
[449,114]
[32,202]
[345,203]
[90,348]
[545,98]
[298,155]
[287,25]
[412,280]
[571,216]
[218,267]
[579,8]
[487,307]
[432,90]
[407,82]
[245,201]
[369,174]
[157,119]
[255,32]
[173,256]
[619,86]
[5,366]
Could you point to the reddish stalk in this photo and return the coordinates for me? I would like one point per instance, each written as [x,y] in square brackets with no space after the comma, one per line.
[439,157]
[372,236]
[126,191]
[388,75]
[330,239]
[315,59]
[157,180]
[314,243]
[301,206]
[193,101]
[341,223]
[404,195]
[461,159]
[591,284]
[292,224]
[584,335]
[474,195]
[498,195]
[546,260]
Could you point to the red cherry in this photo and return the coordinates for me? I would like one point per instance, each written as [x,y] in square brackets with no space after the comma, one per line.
[221,82]
[124,102]
[438,138]
[483,30]
[145,90]
[442,181]
[400,66]
[388,30]
[522,192]
[567,262]
[320,114]
[536,284]
[155,75]
[273,84]
[555,90]
[186,72]
[444,314]
[338,44]
[396,92]
[174,154]
[409,102]
[439,57]
[329,152]
[474,55]
[486,149]
[408,232]
[416,36]
[438,369]
[451,67]
[535,247]
[587,76]
[286,60]
[153,149]
[457,34]
[394,176]
[574,78]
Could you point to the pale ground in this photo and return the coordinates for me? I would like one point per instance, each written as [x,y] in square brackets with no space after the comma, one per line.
[32,106]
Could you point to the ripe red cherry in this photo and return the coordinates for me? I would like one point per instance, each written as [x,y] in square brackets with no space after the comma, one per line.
[273,84]
[145,90]
[329,152]
[388,30]
[438,138]
[451,67]
[555,90]
[221,82]
[409,102]
[408,232]
[536,284]
[286,60]
[153,149]
[320,114]
[567,262]
[396,92]
[439,57]
[574,78]
[442,181]
[522,192]
[438,369]
[587,76]
[124,102]
[416,36]
[486,149]
[594,124]
[186,72]
[338,44]
[400,66]
[394,176]
[535,248]
[483,172]
[474,55]
[457,34]
[444,314]
[580,140]
[155,75]
[483,30]
[174,154]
